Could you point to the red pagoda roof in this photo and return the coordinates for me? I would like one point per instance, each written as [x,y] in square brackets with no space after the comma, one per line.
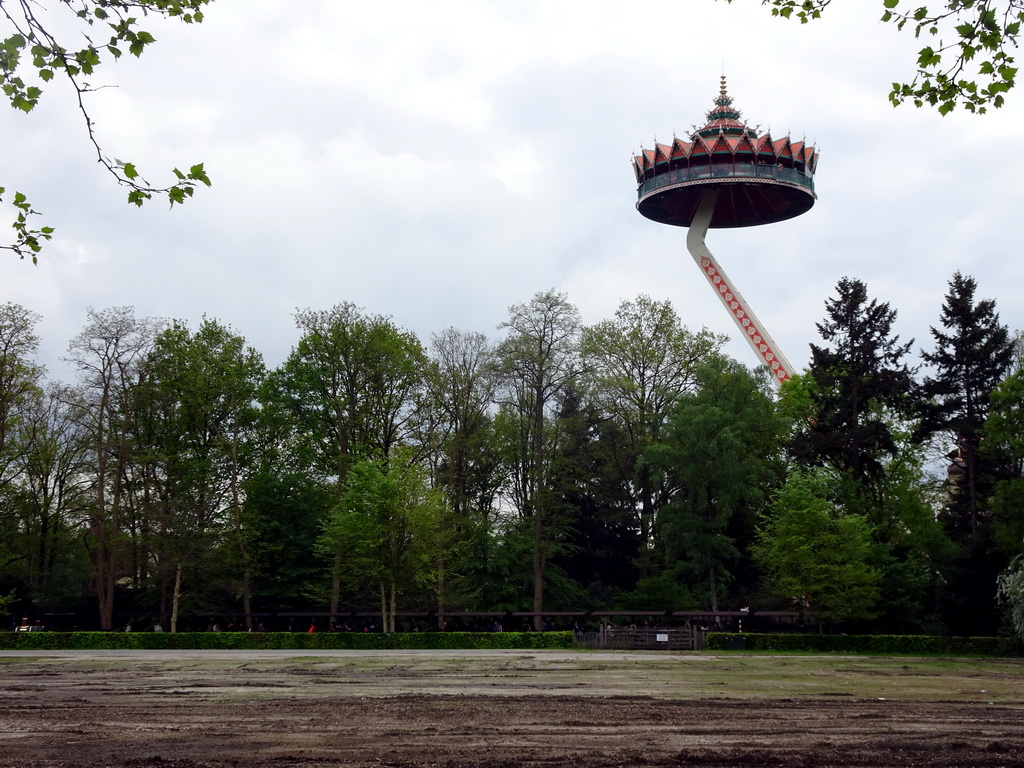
[725,135]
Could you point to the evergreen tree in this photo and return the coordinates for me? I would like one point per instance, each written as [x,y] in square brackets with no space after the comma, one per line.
[971,356]
[861,385]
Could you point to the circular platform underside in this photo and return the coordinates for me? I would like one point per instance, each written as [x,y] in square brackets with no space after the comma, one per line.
[741,203]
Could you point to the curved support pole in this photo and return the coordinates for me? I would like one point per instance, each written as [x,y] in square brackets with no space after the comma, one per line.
[750,327]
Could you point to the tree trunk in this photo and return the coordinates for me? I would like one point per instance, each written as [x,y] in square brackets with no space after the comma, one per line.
[971,456]
[335,584]
[243,551]
[394,608]
[714,588]
[539,559]
[539,563]
[176,599]
[646,524]
[247,598]
[163,599]
[383,608]
[440,593]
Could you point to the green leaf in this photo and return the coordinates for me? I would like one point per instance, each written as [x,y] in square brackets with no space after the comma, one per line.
[928,57]
[14,43]
[197,173]
[129,171]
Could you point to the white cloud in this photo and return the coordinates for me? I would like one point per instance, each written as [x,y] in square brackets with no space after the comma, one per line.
[440,162]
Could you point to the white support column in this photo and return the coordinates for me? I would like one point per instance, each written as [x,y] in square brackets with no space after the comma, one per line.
[750,327]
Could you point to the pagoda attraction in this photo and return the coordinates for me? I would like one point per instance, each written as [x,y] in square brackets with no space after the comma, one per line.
[726,175]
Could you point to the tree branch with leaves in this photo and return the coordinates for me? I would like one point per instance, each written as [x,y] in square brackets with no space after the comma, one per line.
[968,63]
[31,55]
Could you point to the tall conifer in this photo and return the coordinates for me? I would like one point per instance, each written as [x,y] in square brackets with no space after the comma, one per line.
[972,355]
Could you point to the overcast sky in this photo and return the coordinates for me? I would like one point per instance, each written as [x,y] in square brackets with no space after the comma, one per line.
[439,162]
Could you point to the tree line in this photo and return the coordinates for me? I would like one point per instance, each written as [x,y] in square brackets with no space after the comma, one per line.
[624,465]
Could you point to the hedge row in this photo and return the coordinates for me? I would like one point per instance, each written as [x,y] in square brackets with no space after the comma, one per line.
[81,641]
[924,645]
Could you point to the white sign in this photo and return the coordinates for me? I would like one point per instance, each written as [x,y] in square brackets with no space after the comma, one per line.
[661,638]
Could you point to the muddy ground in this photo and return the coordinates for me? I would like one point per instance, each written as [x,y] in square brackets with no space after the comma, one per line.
[509,709]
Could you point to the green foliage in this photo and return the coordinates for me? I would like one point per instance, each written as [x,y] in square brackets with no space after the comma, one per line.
[32,50]
[862,388]
[1002,441]
[970,63]
[1004,430]
[385,527]
[283,513]
[662,591]
[27,241]
[972,355]
[816,553]
[40,477]
[6,601]
[370,476]
[909,545]
[721,451]
[914,645]
[350,389]
[81,641]
[639,365]
[539,364]
[1010,590]
[196,411]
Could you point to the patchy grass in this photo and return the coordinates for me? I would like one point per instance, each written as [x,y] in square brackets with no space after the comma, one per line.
[510,673]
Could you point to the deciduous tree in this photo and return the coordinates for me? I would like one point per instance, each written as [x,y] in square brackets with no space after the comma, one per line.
[48,499]
[20,382]
[203,388]
[722,453]
[640,364]
[109,354]
[539,359]
[387,521]
[461,386]
[816,554]
[352,389]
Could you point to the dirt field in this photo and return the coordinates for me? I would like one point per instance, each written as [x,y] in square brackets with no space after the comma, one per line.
[177,710]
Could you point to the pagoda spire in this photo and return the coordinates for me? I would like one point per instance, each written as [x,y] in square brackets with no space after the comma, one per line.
[724,117]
